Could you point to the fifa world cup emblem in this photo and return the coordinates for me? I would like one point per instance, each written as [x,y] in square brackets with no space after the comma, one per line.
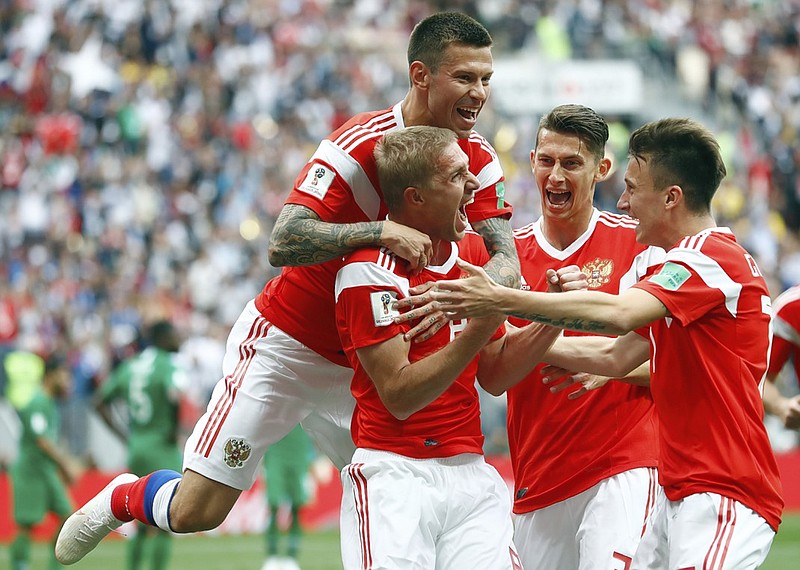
[318,173]
[385,300]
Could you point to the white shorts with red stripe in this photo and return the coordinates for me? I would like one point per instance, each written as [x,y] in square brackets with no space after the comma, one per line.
[598,529]
[704,531]
[400,513]
[270,383]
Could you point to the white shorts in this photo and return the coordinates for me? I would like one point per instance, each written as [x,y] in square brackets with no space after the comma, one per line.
[598,529]
[400,513]
[270,383]
[704,531]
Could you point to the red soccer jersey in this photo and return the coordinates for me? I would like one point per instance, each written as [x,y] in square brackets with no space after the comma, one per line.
[562,447]
[786,328]
[707,363]
[340,184]
[365,286]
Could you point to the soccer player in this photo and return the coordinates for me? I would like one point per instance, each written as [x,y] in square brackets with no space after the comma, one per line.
[703,319]
[151,384]
[785,346]
[36,475]
[286,465]
[584,469]
[284,362]
[418,493]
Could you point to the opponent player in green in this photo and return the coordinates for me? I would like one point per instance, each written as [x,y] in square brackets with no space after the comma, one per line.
[42,467]
[150,383]
[286,465]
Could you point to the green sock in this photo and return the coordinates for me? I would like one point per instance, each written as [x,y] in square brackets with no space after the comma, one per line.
[162,548]
[20,551]
[134,553]
[272,532]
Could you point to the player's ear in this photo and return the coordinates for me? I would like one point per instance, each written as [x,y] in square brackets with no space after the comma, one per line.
[673,196]
[419,74]
[603,169]
[413,196]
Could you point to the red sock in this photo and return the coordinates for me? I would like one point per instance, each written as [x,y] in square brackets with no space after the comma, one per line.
[127,501]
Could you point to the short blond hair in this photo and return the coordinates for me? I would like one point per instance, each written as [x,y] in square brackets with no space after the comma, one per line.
[409,157]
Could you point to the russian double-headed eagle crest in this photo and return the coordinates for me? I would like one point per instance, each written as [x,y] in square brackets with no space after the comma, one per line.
[237,451]
[598,272]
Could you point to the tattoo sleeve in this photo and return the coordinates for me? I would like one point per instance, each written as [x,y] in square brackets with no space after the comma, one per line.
[568,324]
[300,237]
[503,267]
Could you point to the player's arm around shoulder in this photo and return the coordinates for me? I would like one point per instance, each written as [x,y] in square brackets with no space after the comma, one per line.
[503,267]
[301,238]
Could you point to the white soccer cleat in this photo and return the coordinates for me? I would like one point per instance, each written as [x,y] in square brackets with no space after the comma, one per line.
[90,524]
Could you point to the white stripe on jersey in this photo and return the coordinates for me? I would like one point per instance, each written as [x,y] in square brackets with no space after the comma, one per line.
[788,296]
[490,174]
[617,220]
[784,330]
[367,273]
[650,257]
[708,269]
[364,193]
[782,327]
[478,138]
[387,259]
[379,123]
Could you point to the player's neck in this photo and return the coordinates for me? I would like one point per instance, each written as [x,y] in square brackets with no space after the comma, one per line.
[562,233]
[413,111]
[441,252]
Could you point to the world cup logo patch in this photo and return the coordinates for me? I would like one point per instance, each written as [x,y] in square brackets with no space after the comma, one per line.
[237,451]
[598,272]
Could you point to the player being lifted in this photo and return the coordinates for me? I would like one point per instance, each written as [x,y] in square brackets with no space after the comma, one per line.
[284,362]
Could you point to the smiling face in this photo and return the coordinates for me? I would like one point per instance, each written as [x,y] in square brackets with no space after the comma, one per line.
[642,201]
[566,173]
[445,197]
[459,88]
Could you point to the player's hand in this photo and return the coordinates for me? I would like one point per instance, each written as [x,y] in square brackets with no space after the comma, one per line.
[569,278]
[408,243]
[472,296]
[790,413]
[560,379]
[431,322]
[72,470]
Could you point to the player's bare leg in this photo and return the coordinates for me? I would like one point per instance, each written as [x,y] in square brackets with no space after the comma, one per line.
[200,503]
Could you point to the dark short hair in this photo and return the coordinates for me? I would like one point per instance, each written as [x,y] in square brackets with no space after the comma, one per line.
[161,334]
[409,157]
[54,361]
[683,152]
[580,121]
[432,36]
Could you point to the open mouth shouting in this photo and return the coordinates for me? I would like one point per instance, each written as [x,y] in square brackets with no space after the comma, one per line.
[469,113]
[558,199]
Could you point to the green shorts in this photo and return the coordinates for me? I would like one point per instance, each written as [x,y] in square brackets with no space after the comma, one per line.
[36,494]
[286,484]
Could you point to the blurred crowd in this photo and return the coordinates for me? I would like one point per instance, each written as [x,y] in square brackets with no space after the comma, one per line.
[146,146]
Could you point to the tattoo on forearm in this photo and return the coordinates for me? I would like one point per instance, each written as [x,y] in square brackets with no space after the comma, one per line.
[569,324]
[503,267]
[301,238]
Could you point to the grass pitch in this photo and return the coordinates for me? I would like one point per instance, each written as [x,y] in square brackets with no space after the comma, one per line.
[319,551]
